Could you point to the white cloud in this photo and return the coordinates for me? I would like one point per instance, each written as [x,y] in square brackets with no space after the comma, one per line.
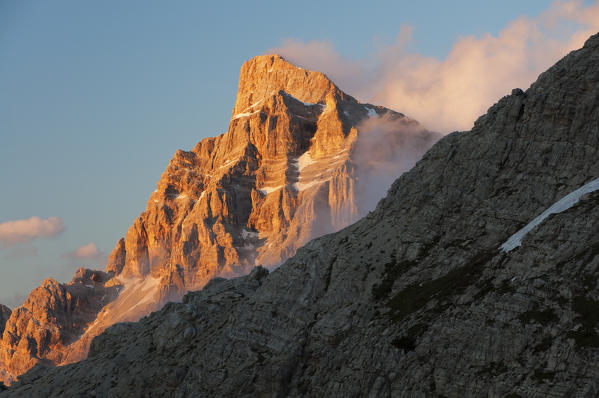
[449,94]
[19,231]
[89,251]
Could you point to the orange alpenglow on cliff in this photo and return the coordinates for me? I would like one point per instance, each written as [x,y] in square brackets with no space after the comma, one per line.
[300,159]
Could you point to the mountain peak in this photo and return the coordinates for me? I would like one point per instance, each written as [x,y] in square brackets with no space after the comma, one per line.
[398,293]
[268,74]
[295,163]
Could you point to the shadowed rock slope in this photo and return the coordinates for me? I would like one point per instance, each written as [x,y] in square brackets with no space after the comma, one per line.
[414,300]
[300,159]
[4,315]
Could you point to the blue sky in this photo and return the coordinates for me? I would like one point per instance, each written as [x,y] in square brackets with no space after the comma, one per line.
[95,97]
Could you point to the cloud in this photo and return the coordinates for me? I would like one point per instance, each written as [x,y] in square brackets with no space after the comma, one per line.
[449,94]
[322,56]
[19,231]
[85,252]
[387,146]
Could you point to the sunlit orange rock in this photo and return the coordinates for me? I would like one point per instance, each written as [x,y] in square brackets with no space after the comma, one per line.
[300,159]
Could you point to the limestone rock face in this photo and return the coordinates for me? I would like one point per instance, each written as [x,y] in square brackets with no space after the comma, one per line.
[4,315]
[300,159]
[417,299]
[53,316]
[283,173]
[116,261]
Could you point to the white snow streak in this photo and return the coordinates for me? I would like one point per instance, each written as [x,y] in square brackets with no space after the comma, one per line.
[255,103]
[304,161]
[326,166]
[229,162]
[561,205]
[302,187]
[267,190]
[305,103]
[244,114]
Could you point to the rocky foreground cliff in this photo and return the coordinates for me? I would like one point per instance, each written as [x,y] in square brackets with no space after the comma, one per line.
[300,159]
[418,299]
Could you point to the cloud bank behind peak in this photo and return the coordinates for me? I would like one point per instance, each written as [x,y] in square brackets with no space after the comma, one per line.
[449,94]
[22,231]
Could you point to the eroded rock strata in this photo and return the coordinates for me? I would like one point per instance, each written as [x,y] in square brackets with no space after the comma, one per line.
[53,317]
[300,159]
[415,300]
[4,315]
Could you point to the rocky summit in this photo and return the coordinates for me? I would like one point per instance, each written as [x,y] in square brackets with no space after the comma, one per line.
[300,159]
[421,298]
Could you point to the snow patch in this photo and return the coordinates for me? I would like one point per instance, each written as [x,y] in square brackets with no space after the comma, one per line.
[371,112]
[249,107]
[255,103]
[248,234]
[244,114]
[329,163]
[561,205]
[304,161]
[305,103]
[229,162]
[302,187]
[300,116]
[267,190]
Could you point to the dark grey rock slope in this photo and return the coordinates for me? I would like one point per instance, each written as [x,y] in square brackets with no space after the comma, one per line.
[416,299]
[4,315]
